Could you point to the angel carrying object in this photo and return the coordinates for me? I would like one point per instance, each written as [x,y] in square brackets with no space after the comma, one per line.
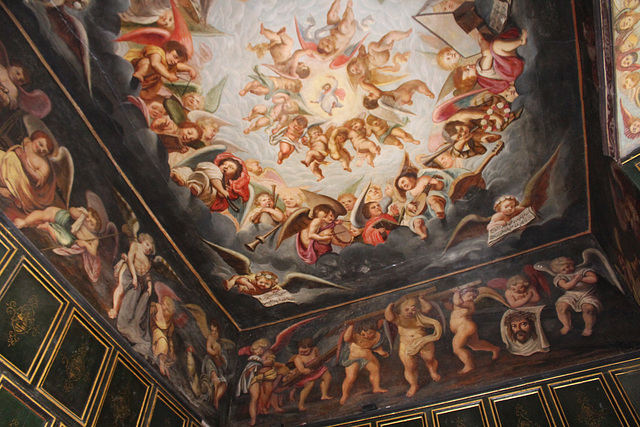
[580,287]
[265,285]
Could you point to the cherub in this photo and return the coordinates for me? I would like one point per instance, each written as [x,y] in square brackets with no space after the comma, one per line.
[11,78]
[78,231]
[306,363]
[267,86]
[410,316]
[465,329]
[356,348]
[402,95]
[253,284]
[265,211]
[626,20]
[338,137]
[507,208]
[631,123]
[535,196]
[316,227]
[520,293]
[378,224]
[388,135]
[318,144]
[134,270]
[292,201]
[193,101]
[32,172]
[364,147]
[580,287]
[264,282]
[215,362]
[161,325]
[342,31]
[152,64]
[289,137]
[373,59]
[281,111]
[262,370]
[134,267]
[285,63]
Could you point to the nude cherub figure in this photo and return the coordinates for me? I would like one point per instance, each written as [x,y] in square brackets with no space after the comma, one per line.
[133,267]
[318,145]
[388,135]
[378,54]
[506,207]
[308,355]
[360,344]
[337,151]
[283,108]
[341,33]
[289,138]
[402,95]
[358,135]
[466,331]
[410,316]
[520,293]
[285,62]
[292,202]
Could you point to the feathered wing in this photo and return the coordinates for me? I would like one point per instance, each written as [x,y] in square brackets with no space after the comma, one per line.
[240,263]
[212,98]
[451,106]
[162,290]
[109,232]
[357,216]
[165,270]
[537,279]
[486,292]
[285,336]
[62,165]
[206,154]
[305,43]
[297,221]
[315,199]
[131,225]
[595,259]
[200,317]
[146,36]
[36,102]
[470,227]
[343,59]
[535,192]
[297,281]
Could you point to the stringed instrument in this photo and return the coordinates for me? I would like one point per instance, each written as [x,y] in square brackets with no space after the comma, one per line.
[464,182]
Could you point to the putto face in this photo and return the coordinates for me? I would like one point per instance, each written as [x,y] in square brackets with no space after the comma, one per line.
[172,58]
[40,147]
[407,183]
[165,20]
[16,75]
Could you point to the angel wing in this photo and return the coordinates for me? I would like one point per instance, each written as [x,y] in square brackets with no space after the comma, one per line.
[36,102]
[240,263]
[206,154]
[285,336]
[535,192]
[109,232]
[470,227]
[131,227]
[62,165]
[296,281]
[448,108]
[158,36]
[595,259]
[315,199]
[297,221]
[357,216]
[305,42]
[486,292]
[627,120]
[389,103]
[165,270]
[344,58]
[212,98]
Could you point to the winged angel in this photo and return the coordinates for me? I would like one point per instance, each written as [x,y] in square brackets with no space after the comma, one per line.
[136,281]
[265,285]
[510,214]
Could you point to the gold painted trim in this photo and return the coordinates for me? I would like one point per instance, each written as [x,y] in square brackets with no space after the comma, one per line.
[583,380]
[453,408]
[160,395]
[120,358]
[24,398]
[99,379]
[391,421]
[197,275]
[53,326]
[518,394]
[5,240]
[635,412]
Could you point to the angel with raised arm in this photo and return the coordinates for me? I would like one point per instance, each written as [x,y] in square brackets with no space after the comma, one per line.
[579,284]
[78,231]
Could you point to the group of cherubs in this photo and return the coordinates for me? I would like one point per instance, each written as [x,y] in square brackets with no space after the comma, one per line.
[415,318]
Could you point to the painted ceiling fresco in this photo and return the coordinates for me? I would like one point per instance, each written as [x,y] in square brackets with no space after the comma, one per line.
[253,163]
